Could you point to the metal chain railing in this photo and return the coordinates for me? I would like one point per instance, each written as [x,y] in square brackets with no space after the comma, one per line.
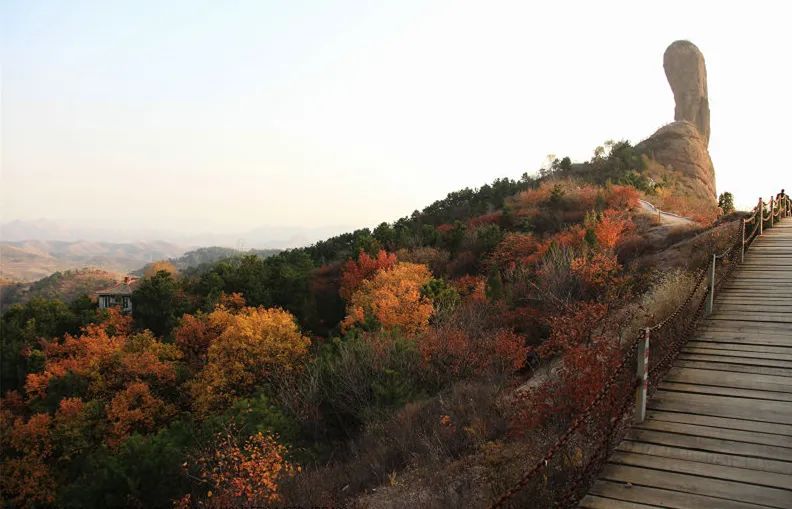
[606,418]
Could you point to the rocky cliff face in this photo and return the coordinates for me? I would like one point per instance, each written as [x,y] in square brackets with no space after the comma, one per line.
[682,145]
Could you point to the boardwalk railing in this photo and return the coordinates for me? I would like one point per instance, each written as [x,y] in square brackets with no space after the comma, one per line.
[560,478]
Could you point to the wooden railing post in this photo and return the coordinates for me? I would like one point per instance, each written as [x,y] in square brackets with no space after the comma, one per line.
[711,295]
[760,211]
[742,243]
[772,215]
[642,374]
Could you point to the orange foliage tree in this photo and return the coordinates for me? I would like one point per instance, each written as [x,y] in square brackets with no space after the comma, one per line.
[598,272]
[257,345]
[195,333]
[107,362]
[25,477]
[611,227]
[517,248]
[354,272]
[471,288]
[135,409]
[117,369]
[234,475]
[393,299]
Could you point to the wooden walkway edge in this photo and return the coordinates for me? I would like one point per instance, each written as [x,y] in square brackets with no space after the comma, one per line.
[718,431]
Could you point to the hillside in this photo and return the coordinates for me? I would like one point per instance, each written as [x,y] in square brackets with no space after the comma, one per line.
[65,286]
[420,363]
[384,361]
[204,256]
[30,260]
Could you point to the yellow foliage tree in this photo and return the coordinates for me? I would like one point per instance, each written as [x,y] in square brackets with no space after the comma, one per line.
[152,268]
[258,345]
[393,298]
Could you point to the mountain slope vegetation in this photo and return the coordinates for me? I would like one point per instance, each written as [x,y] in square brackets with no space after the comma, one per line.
[420,362]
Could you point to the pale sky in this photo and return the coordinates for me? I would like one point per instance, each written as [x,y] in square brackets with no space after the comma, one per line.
[224,116]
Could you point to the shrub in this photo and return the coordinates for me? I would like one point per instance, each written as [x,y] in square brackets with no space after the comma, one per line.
[392,299]
[257,346]
[353,380]
[238,474]
[423,435]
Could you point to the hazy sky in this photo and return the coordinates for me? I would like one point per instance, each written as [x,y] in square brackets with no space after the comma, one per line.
[223,116]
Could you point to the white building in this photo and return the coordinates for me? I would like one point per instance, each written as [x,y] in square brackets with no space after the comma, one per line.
[119,295]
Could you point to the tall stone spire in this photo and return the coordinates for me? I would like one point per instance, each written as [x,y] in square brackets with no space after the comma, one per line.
[687,74]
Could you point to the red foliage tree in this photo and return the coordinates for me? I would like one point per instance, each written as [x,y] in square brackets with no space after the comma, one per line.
[611,227]
[354,272]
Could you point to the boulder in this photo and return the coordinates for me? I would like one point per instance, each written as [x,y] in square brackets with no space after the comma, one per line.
[680,146]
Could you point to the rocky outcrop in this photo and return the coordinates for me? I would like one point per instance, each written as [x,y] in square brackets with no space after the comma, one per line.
[682,145]
[679,146]
[687,74]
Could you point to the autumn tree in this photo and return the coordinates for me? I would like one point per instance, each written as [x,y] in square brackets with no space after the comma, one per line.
[26,477]
[611,227]
[196,332]
[257,345]
[392,299]
[136,409]
[236,473]
[152,268]
[355,271]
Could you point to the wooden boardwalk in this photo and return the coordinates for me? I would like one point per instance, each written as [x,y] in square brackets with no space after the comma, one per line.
[718,432]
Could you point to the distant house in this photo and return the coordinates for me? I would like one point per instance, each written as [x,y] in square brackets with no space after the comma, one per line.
[119,295]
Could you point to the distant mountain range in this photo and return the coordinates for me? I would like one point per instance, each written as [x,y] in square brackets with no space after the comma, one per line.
[31,250]
[30,260]
[264,237]
[21,261]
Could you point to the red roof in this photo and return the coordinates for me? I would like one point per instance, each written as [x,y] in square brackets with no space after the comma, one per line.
[125,288]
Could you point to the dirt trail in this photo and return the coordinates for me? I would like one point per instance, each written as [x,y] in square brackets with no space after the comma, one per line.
[667,218]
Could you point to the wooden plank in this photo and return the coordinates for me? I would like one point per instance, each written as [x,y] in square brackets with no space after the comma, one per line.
[595,502]
[728,473]
[726,391]
[748,328]
[748,361]
[739,347]
[685,483]
[753,308]
[712,458]
[736,368]
[723,406]
[741,325]
[738,338]
[735,435]
[722,422]
[709,444]
[725,352]
[751,300]
[663,498]
[714,327]
[729,379]
[760,317]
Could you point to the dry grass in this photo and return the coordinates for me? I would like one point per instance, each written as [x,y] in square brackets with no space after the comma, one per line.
[666,294]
